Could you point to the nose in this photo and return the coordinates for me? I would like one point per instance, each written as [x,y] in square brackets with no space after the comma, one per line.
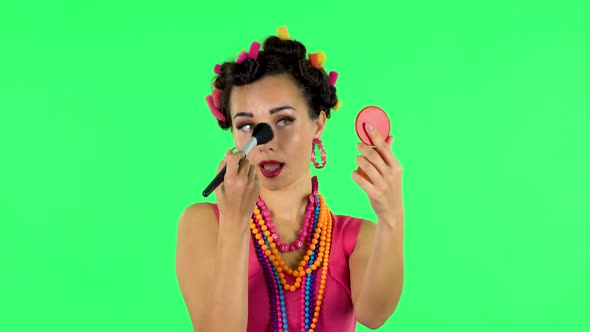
[270,145]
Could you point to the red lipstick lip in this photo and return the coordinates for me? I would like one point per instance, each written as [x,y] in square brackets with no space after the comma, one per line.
[264,162]
[271,174]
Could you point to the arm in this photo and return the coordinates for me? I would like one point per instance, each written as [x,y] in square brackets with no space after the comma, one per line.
[377,271]
[377,264]
[212,270]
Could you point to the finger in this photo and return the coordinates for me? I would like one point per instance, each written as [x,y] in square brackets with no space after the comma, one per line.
[395,162]
[379,143]
[252,173]
[255,177]
[374,157]
[220,190]
[233,162]
[221,164]
[224,160]
[389,141]
[244,167]
[369,169]
[367,186]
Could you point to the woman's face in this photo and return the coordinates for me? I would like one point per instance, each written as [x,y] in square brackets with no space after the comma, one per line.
[278,101]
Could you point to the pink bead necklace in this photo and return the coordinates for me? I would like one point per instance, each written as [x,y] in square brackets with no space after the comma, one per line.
[307,224]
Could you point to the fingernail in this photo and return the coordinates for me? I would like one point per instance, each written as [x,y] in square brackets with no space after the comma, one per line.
[229,152]
[369,126]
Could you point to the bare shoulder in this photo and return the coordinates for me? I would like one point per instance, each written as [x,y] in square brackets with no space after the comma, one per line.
[197,217]
[198,210]
[197,234]
[197,227]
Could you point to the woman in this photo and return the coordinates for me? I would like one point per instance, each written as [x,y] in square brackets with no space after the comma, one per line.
[270,255]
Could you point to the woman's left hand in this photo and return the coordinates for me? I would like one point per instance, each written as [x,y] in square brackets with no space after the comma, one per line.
[384,172]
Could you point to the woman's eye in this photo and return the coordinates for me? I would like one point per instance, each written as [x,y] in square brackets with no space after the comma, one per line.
[285,119]
[240,127]
[249,126]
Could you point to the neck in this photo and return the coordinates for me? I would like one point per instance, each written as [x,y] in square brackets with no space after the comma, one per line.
[288,204]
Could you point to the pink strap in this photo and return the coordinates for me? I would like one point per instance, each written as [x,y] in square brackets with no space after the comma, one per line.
[216,210]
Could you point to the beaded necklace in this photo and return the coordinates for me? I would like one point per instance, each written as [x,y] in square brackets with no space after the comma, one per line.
[316,235]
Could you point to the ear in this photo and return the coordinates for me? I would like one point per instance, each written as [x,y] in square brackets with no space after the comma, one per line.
[320,124]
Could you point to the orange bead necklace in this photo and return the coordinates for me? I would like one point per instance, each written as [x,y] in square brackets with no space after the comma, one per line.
[316,256]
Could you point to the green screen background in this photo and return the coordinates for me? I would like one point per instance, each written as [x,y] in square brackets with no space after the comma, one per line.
[106,138]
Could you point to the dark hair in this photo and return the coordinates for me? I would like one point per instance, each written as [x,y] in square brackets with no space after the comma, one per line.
[278,57]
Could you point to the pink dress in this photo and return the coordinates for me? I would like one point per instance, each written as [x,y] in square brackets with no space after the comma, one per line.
[337,312]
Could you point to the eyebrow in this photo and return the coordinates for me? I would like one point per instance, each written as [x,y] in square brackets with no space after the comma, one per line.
[272,111]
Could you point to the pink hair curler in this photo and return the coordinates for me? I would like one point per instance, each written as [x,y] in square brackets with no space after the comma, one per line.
[332,78]
[254,49]
[243,56]
[216,98]
[214,110]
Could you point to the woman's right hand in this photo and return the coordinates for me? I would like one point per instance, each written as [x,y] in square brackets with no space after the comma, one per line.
[237,194]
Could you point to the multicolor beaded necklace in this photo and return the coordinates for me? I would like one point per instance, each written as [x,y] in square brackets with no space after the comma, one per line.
[316,235]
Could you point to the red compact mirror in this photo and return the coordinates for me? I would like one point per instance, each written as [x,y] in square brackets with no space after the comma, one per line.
[380,121]
[377,117]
